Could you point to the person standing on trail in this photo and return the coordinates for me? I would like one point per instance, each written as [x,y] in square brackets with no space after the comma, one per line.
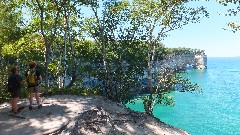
[14,85]
[34,78]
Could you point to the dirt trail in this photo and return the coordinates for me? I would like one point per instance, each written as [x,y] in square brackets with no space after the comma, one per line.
[70,114]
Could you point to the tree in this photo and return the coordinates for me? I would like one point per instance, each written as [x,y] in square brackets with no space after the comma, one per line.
[72,18]
[50,19]
[48,38]
[11,24]
[156,19]
[232,12]
[12,31]
[10,21]
[109,30]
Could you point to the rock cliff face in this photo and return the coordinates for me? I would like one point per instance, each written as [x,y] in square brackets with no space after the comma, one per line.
[185,61]
[190,60]
[200,61]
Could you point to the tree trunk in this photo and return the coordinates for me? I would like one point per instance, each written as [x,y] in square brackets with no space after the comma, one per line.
[105,64]
[65,57]
[149,103]
[74,60]
[47,60]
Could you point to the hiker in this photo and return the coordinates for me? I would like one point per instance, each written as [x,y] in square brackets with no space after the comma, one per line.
[14,85]
[34,78]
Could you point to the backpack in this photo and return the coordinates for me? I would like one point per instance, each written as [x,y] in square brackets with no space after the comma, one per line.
[12,83]
[31,77]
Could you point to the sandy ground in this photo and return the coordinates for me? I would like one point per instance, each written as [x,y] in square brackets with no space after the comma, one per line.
[80,115]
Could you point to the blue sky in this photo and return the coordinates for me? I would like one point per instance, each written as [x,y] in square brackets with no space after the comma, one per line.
[208,35]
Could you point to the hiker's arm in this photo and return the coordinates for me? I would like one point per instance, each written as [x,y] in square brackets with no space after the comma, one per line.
[21,82]
[26,73]
[40,77]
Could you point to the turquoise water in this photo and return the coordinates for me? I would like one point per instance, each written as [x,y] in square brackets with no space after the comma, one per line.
[214,112]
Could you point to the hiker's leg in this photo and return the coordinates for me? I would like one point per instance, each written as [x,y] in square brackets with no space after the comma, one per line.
[36,90]
[30,98]
[37,96]
[12,104]
[31,95]
[15,101]
[12,96]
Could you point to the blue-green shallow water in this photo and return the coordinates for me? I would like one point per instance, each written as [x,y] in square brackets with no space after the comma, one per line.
[214,112]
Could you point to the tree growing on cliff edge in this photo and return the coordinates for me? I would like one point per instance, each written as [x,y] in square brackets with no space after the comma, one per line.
[155,20]
[122,54]
[234,26]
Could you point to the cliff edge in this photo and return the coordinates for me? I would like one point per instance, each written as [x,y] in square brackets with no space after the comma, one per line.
[71,114]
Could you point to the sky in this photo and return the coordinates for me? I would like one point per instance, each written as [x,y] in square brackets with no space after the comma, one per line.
[209,34]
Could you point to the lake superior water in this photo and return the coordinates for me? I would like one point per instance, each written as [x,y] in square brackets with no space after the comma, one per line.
[214,112]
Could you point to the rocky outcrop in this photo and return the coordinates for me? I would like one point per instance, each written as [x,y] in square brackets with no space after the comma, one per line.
[200,61]
[185,61]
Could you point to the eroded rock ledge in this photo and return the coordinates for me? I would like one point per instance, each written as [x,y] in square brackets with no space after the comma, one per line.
[192,59]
